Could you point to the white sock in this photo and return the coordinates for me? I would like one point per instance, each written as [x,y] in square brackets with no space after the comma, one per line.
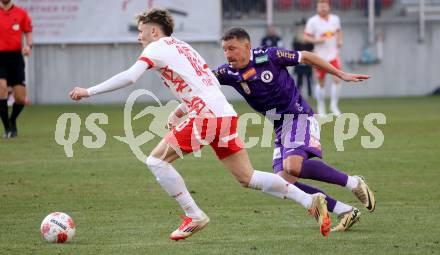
[352,182]
[11,100]
[335,93]
[318,92]
[341,208]
[320,98]
[276,186]
[174,185]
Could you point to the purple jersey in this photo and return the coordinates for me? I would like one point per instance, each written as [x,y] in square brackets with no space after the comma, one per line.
[265,82]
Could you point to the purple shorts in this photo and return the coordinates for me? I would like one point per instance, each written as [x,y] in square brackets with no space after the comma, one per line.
[296,136]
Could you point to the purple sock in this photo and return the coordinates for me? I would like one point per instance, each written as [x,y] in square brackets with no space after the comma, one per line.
[331,202]
[319,171]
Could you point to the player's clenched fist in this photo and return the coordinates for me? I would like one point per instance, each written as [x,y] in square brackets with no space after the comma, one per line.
[78,93]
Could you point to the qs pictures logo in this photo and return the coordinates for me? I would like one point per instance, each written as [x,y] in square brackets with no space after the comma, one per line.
[92,122]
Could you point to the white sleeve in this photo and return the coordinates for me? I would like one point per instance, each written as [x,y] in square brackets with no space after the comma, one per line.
[338,23]
[120,80]
[309,29]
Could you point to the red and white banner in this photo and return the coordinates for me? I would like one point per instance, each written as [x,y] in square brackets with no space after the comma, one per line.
[112,21]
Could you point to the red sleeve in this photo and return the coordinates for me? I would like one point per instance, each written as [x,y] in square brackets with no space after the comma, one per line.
[147,60]
[27,23]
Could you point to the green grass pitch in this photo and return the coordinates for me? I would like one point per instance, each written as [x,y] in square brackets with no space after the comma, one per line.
[120,209]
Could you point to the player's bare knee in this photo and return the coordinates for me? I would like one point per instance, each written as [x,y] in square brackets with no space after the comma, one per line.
[293,167]
[19,93]
[288,177]
[20,100]
[295,171]
[293,164]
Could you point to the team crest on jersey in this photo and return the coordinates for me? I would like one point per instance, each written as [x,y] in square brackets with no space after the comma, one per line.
[267,76]
[16,27]
[245,87]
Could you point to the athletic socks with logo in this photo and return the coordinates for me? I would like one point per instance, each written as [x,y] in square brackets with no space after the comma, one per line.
[172,182]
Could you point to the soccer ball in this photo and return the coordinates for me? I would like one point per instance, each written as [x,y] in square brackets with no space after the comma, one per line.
[57,227]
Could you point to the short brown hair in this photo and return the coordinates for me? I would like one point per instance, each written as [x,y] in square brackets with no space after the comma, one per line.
[323,1]
[160,17]
[236,32]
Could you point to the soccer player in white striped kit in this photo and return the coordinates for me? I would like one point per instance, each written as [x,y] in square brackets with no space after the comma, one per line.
[325,32]
[211,120]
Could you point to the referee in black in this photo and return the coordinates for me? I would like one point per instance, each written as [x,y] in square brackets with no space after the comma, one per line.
[14,23]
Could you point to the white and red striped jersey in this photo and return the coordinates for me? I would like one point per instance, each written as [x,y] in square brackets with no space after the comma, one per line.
[188,76]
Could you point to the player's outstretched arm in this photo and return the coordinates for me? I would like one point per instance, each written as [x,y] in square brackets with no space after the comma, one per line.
[313,59]
[118,81]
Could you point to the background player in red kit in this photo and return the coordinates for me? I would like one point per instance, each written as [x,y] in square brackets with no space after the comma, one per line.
[14,22]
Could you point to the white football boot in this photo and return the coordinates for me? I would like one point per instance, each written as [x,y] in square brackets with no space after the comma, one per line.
[347,220]
[189,227]
[319,211]
[364,194]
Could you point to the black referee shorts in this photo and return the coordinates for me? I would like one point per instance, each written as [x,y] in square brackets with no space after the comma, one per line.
[12,67]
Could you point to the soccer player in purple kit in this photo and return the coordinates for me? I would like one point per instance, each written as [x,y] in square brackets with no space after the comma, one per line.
[261,77]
